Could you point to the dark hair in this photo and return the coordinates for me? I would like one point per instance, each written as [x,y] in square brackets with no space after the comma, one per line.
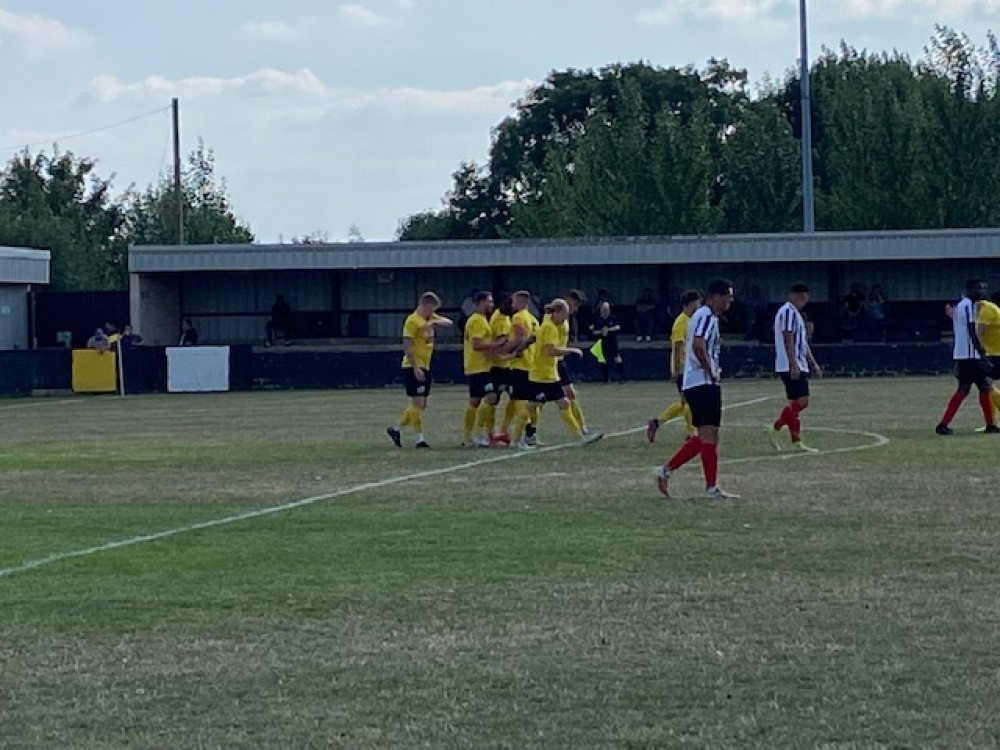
[505,307]
[691,295]
[720,288]
[429,298]
[480,296]
[577,296]
[800,289]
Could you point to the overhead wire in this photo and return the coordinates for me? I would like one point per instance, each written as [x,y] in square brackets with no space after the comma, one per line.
[60,139]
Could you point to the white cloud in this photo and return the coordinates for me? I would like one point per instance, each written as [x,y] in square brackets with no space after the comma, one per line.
[302,95]
[271,31]
[920,10]
[406,4]
[264,82]
[39,36]
[362,16]
[672,12]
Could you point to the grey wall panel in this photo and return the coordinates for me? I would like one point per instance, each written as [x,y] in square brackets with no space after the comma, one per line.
[13,316]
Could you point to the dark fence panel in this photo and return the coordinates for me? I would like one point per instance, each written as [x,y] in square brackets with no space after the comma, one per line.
[23,371]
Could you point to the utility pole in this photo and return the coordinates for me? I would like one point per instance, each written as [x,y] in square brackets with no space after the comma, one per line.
[808,200]
[177,170]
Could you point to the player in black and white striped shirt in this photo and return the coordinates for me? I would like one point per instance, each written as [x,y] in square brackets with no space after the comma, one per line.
[972,367]
[794,363]
[703,391]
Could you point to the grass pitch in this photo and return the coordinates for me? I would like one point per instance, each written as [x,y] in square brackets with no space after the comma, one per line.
[545,600]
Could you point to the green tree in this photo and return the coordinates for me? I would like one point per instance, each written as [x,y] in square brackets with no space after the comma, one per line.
[208,216]
[58,203]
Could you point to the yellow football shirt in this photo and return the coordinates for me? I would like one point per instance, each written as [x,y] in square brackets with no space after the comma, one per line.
[501,326]
[421,332]
[988,319]
[525,320]
[476,361]
[679,331]
[545,367]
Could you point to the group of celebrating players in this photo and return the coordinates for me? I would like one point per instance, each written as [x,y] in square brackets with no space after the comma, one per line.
[508,351]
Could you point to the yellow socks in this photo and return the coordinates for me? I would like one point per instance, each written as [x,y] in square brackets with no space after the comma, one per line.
[509,412]
[487,418]
[674,410]
[571,424]
[468,423]
[523,416]
[574,407]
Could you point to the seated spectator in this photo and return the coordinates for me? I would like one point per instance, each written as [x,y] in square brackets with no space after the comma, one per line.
[645,315]
[99,341]
[876,305]
[853,309]
[281,321]
[189,336]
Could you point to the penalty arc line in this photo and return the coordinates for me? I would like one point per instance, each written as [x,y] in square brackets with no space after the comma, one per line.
[41,562]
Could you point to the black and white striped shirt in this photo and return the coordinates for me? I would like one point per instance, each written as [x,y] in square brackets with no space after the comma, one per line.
[964,316]
[706,325]
[790,320]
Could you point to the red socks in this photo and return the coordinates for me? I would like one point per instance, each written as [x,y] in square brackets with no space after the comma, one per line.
[952,410]
[987,406]
[709,453]
[710,463]
[790,418]
[688,450]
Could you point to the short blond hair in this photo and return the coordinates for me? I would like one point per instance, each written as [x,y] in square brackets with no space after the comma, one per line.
[429,298]
[557,304]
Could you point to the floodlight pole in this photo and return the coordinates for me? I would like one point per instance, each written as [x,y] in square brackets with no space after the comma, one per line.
[808,200]
[175,106]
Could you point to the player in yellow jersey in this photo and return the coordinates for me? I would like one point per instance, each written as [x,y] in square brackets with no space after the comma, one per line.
[574,298]
[418,346]
[988,327]
[502,327]
[544,375]
[524,325]
[478,348]
[690,301]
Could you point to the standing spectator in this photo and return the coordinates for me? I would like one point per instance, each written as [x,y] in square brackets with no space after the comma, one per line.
[130,338]
[606,329]
[281,321]
[189,336]
[645,315]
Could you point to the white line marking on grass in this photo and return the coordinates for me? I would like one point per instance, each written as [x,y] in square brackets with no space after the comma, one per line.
[55,557]
[878,441]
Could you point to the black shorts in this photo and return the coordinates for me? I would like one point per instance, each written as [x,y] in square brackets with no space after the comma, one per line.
[501,379]
[481,385]
[795,389]
[973,372]
[414,387]
[706,405]
[546,392]
[520,386]
[994,367]
[564,378]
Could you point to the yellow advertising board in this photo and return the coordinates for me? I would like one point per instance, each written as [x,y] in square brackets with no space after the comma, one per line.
[94,371]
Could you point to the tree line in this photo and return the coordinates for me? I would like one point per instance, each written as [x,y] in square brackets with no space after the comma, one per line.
[633,149]
[58,202]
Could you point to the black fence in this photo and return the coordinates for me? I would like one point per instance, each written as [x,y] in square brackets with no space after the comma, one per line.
[23,372]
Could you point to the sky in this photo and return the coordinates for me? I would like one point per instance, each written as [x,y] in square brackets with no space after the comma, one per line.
[326,114]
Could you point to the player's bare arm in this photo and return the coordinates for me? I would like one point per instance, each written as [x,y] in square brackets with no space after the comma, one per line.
[793,366]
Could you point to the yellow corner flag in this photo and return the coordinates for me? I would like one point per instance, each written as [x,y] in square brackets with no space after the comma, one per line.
[598,351]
